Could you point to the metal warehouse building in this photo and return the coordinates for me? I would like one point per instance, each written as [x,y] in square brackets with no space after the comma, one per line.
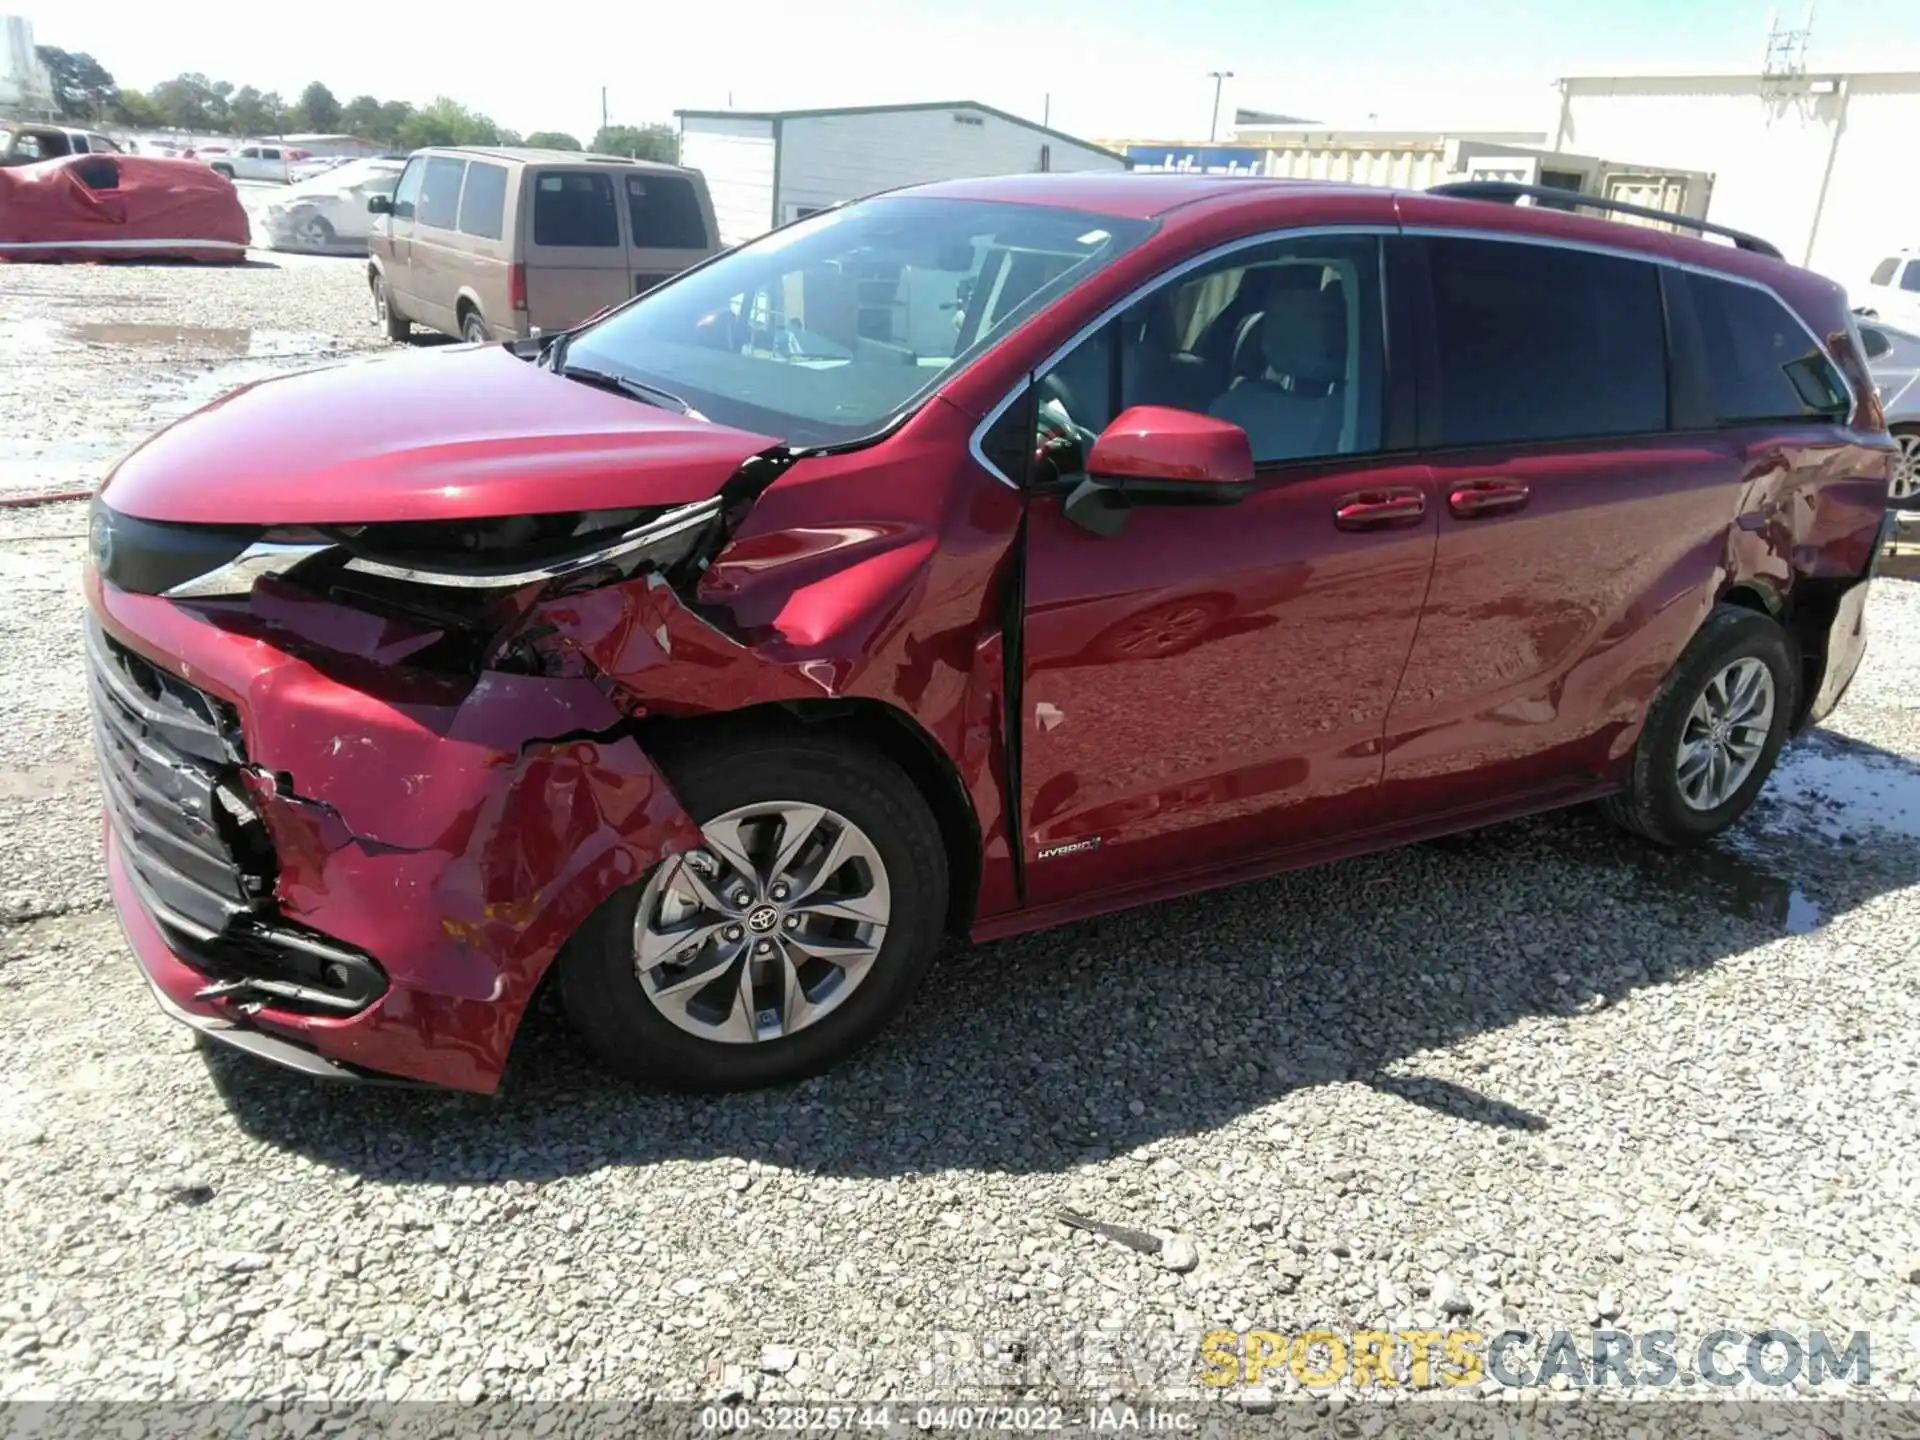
[766,167]
[1815,162]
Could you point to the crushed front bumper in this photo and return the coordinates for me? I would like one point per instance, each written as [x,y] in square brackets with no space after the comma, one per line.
[454,834]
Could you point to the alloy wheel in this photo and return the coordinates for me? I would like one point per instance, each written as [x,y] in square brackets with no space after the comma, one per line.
[767,928]
[314,232]
[1906,469]
[1725,733]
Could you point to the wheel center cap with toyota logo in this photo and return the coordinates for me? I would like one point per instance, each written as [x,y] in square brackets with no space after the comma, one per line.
[763,919]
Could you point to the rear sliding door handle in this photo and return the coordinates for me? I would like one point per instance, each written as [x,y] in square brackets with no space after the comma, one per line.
[1375,509]
[1487,497]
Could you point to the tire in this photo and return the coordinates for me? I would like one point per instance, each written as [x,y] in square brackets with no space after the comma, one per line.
[1903,492]
[398,328]
[473,327]
[1654,804]
[315,233]
[224,171]
[600,980]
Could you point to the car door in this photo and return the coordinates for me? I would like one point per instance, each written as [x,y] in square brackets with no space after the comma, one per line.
[1584,499]
[574,246]
[1210,684]
[668,227]
[392,237]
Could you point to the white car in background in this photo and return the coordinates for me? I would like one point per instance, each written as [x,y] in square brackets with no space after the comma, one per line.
[328,213]
[1892,292]
[1893,355]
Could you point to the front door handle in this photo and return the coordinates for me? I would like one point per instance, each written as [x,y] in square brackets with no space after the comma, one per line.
[1487,497]
[1372,509]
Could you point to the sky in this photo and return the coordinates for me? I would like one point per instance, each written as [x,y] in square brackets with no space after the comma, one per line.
[1100,69]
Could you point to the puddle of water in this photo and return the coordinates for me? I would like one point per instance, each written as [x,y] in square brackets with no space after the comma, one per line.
[44,335]
[1832,789]
[1733,881]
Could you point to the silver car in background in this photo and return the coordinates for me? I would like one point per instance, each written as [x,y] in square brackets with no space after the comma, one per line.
[328,212]
[1893,355]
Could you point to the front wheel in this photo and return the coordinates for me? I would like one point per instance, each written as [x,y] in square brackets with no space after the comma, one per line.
[801,927]
[1713,732]
[315,233]
[398,328]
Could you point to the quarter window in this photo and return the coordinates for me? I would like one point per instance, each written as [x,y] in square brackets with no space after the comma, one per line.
[1537,342]
[663,212]
[483,201]
[1874,342]
[575,208]
[440,196]
[1765,365]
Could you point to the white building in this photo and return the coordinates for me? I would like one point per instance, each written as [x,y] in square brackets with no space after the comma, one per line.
[25,85]
[1817,162]
[766,167]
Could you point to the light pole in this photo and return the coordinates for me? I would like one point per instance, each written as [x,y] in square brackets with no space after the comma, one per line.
[1219,76]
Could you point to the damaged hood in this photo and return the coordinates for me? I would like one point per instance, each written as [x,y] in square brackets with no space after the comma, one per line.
[447,434]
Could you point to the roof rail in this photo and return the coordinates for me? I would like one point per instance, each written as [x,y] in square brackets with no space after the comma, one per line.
[1509,192]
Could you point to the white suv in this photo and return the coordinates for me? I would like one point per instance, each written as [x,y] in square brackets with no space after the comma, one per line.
[1893,291]
[258,162]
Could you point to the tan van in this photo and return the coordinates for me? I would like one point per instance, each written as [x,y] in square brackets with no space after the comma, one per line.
[491,243]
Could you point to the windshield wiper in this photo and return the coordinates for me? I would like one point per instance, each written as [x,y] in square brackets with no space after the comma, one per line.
[621,385]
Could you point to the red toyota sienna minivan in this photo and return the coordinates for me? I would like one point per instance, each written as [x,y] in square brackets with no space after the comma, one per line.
[971,558]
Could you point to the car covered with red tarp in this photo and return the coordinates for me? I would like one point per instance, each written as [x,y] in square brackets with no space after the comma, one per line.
[117,207]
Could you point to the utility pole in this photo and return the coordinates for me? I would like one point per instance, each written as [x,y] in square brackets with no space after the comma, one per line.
[1219,76]
[603,107]
[1046,109]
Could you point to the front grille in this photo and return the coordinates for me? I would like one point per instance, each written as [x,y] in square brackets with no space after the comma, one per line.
[195,850]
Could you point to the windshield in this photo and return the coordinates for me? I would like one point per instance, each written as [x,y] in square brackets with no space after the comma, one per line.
[823,331]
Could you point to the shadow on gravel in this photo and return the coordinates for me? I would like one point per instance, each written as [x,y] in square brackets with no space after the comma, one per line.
[1032,1055]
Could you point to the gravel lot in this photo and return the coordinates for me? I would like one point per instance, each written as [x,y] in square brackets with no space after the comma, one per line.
[1537,1076]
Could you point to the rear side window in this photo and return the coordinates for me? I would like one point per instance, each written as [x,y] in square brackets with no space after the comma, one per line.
[1874,342]
[1910,280]
[483,203]
[1883,272]
[575,208]
[663,212]
[98,173]
[1541,343]
[1765,364]
[440,195]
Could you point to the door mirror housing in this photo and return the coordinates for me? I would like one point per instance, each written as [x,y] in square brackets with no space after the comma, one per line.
[379,204]
[1158,455]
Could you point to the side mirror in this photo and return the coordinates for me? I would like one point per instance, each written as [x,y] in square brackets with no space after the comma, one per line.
[1157,455]
[379,204]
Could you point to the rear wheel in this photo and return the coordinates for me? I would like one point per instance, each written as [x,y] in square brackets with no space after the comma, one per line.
[1713,732]
[473,328]
[788,941]
[1903,493]
[224,171]
[398,328]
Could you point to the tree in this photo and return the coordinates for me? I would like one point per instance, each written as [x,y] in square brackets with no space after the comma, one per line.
[250,114]
[187,102]
[83,88]
[316,110]
[361,116]
[639,142]
[552,140]
[447,122]
[394,115]
[130,107]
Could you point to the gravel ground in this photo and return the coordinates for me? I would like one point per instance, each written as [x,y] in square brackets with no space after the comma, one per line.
[1537,1076]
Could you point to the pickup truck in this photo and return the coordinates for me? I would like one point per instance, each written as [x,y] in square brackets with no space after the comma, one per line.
[258,162]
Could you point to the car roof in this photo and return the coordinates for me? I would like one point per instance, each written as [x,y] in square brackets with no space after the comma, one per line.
[1151,195]
[529,155]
